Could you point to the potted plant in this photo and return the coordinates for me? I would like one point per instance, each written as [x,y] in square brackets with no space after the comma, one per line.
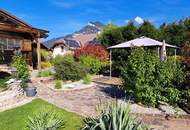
[29,90]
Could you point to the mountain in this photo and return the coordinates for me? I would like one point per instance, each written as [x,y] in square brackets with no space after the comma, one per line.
[90,28]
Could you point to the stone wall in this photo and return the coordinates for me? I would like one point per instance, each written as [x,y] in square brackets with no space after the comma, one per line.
[14,91]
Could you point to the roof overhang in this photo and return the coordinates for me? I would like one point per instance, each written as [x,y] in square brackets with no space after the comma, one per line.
[21,26]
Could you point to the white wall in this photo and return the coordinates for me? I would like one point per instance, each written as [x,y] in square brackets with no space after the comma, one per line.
[58,50]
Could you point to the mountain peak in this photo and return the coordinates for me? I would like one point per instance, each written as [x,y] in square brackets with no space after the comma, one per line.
[95,24]
[91,27]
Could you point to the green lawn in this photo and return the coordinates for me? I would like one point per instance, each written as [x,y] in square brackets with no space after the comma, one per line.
[15,119]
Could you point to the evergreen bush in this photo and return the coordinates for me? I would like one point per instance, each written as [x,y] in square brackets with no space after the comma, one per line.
[70,70]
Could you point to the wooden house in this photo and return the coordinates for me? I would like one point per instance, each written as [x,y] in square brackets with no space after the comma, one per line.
[14,33]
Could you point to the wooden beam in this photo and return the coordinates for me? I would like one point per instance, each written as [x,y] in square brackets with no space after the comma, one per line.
[20,29]
[12,19]
[38,52]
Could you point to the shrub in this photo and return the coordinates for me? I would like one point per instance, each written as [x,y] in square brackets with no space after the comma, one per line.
[44,55]
[68,57]
[87,79]
[45,64]
[45,120]
[24,84]
[93,63]
[58,85]
[67,70]
[4,77]
[113,117]
[20,64]
[44,73]
[150,80]
[97,51]
[58,59]
[185,60]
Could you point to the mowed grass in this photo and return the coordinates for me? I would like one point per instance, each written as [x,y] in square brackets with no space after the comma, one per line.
[15,119]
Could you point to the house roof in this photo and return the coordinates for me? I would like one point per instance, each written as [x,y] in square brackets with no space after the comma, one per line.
[84,38]
[17,21]
[142,41]
[68,42]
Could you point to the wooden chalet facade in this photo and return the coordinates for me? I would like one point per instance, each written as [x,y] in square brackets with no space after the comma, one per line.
[14,33]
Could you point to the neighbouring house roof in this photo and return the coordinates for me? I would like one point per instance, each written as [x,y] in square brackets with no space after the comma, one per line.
[141,42]
[72,43]
[49,44]
[7,17]
[84,38]
[67,42]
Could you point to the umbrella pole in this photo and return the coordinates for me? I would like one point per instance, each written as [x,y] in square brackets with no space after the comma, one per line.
[110,63]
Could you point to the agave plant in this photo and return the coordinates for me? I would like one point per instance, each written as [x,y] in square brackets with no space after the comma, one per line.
[116,116]
[45,120]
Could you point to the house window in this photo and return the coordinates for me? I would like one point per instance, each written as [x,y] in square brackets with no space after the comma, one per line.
[18,43]
[10,43]
[3,41]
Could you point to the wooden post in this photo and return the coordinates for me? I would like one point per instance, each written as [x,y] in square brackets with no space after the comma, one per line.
[38,52]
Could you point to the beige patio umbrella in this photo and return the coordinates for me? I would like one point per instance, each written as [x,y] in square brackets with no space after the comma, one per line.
[143,42]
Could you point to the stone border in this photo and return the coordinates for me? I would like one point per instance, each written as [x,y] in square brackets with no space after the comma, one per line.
[23,102]
[170,116]
[72,89]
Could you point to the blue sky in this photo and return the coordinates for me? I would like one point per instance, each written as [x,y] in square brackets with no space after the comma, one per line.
[62,17]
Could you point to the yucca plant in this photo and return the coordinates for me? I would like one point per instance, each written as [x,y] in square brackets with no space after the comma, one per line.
[115,116]
[45,120]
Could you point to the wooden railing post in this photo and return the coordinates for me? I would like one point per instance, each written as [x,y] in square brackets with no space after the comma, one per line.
[38,51]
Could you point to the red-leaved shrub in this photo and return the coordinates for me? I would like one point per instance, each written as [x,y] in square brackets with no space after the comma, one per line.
[185,60]
[97,51]
[186,56]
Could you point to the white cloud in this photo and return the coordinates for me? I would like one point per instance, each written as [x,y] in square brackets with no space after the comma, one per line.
[139,20]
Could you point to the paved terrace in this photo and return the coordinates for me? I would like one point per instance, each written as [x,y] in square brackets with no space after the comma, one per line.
[84,102]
